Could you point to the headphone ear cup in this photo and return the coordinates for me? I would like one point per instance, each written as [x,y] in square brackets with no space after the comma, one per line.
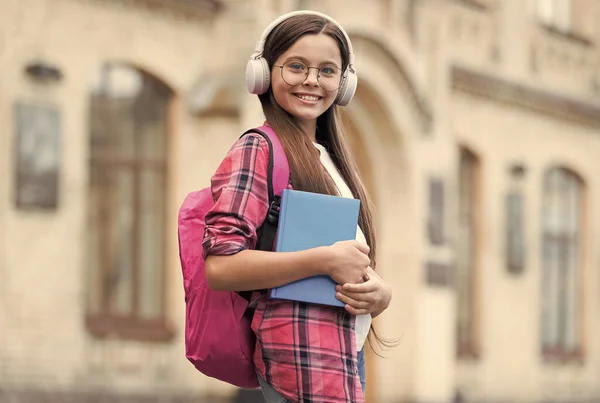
[258,76]
[347,89]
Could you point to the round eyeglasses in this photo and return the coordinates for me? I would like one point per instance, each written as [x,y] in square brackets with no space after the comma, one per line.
[295,73]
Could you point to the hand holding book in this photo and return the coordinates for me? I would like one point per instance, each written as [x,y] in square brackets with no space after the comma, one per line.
[372,296]
[348,262]
[311,220]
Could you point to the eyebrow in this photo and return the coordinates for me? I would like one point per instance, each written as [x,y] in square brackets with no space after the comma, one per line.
[306,61]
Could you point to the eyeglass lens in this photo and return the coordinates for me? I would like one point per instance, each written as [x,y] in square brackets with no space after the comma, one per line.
[295,73]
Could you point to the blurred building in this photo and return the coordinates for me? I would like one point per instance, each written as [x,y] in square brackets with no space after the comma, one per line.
[477,127]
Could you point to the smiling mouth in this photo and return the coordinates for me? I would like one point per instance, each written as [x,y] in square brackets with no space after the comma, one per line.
[310,98]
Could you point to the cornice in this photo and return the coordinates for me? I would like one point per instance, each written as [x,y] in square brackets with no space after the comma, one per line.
[542,101]
[197,9]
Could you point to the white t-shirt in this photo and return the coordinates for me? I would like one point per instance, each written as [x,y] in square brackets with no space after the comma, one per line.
[363,322]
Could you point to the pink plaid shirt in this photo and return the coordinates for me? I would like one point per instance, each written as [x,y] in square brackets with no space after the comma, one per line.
[306,352]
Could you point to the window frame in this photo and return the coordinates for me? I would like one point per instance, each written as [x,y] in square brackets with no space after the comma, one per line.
[106,322]
[560,353]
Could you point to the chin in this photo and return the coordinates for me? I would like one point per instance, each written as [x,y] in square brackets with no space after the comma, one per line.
[307,113]
[306,116]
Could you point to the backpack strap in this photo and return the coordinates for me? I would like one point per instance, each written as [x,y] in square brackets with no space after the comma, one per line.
[278,176]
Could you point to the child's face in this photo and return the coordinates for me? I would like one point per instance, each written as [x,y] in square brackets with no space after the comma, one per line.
[307,100]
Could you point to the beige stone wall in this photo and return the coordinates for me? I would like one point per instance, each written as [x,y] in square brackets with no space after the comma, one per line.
[44,340]
[407,121]
[501,135]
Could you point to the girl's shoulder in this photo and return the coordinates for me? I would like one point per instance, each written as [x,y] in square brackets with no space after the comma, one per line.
[251,140]
[250,153]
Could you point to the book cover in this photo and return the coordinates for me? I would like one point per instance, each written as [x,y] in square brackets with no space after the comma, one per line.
[309,220]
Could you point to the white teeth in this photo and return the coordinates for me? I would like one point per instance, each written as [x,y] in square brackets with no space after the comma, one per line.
[308,97]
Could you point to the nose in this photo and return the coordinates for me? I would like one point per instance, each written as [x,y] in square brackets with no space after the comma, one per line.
[312,79]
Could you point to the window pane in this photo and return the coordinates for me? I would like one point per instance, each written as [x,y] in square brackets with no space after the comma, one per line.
[562,14]
[152,141]
[572,206]
[120,265]
[151,238]
[546,10]
[112,129]
[464,270]
[551,218]
[112,111]
[560,272]
[111,220]
[550,302]
[97,217]
[515,240]
[151,112]
[466,250]
[572,300]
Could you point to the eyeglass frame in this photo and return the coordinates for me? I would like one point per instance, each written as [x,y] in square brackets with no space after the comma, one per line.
[308,73]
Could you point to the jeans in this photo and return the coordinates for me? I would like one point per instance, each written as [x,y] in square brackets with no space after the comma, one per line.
[362,370]
[272,396]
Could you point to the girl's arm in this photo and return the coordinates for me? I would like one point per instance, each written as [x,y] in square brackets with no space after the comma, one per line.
[345,261]
[255,269]
[240,191]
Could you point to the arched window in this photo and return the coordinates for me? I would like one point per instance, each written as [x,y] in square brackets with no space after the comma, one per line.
[467,258]
[561,263]
[127,195]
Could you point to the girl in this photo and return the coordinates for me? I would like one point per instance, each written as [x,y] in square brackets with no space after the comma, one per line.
[304,352]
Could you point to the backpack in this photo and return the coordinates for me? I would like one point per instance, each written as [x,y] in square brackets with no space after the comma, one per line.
[218,338]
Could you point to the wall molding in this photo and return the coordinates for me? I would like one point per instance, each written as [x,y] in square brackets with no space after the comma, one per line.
[542,101]
[189,9]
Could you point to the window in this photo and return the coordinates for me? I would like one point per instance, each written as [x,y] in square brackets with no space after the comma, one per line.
[128,171]
[436,212]
[466,265]
[555,13]
[566,16]
[561,264]
[515,236]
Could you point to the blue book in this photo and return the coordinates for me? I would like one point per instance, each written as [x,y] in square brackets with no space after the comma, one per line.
[309,220]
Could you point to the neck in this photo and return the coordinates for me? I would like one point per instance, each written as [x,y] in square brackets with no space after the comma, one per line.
[310,128]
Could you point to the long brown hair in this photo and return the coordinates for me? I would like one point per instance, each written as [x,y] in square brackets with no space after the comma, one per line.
[306,171]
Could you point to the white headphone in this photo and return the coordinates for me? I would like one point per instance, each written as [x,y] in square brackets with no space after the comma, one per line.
[258,76]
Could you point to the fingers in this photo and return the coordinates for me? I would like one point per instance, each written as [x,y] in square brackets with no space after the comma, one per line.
[368,298]
[363,247]
[360,288]
[355,295]
[354,303]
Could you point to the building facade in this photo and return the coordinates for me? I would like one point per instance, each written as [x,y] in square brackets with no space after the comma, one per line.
[476,125]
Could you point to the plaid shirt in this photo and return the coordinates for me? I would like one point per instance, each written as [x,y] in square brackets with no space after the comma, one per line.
[306,352]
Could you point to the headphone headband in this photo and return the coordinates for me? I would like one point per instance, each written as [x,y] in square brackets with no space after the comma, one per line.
[260,45]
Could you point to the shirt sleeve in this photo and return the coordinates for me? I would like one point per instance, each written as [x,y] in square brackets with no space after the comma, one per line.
[240,192]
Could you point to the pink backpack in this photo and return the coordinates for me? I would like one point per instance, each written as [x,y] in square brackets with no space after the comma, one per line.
[218,338]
